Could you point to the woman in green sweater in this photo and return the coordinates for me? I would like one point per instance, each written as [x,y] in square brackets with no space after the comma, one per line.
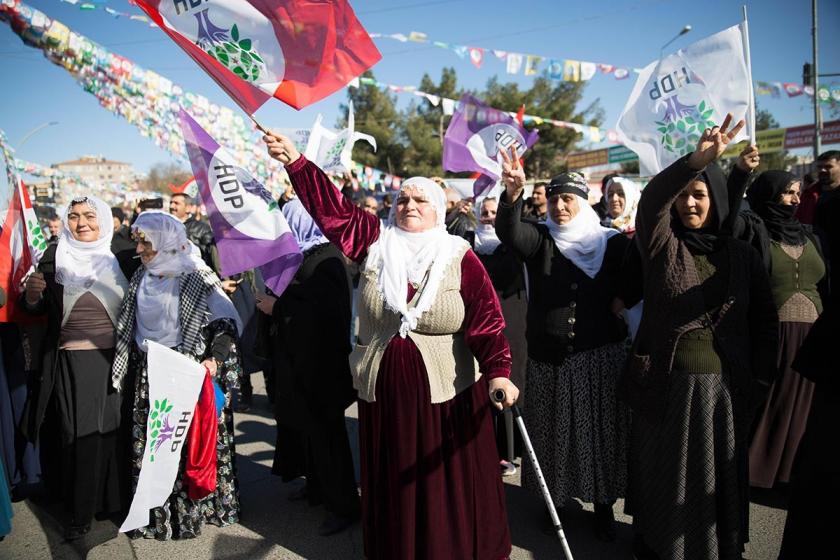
[705,346]
[796,267]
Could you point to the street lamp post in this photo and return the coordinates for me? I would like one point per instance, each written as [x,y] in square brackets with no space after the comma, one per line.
[682,32]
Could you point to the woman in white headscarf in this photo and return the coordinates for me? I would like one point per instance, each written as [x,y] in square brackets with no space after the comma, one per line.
[174,299]
[621,201]
[576,346]
[427,312]
[79,286]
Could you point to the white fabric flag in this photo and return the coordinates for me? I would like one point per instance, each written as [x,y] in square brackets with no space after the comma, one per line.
[174,384]
[332,150]
[676,98]
[514,63]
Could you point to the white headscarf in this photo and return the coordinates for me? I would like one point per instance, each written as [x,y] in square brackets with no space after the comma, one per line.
[632,194]
[583,240]
[401,257]
[486,240]
[158,295]
[90,266]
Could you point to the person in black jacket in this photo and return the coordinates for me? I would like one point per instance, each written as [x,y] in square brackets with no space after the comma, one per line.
[80,286]
[576,347]
[312,375]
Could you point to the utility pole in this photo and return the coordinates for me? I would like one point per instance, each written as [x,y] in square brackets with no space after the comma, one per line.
[816,73]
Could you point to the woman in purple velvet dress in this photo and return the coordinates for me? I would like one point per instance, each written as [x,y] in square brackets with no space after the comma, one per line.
[430,348]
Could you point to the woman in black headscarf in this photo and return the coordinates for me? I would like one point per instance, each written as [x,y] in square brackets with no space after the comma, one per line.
[796,268]
[707,337]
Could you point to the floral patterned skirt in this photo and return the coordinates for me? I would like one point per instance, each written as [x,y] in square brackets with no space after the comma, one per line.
[180,517]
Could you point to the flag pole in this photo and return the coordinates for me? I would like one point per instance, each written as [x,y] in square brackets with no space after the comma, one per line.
[745,32]
[260,127]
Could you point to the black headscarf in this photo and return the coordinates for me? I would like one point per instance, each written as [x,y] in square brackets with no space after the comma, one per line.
[763,196]
[708,239]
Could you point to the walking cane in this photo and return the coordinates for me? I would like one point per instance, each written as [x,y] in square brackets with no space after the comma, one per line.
[499,396]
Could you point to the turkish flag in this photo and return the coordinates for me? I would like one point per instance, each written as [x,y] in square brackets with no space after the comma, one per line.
[298,51]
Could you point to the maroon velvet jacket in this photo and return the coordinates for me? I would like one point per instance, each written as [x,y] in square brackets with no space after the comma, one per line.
[354,230]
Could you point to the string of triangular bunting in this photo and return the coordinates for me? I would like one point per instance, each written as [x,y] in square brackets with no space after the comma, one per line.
[570,70]
[590,133]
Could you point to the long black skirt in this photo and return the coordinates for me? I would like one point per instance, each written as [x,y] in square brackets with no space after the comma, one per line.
[94,471]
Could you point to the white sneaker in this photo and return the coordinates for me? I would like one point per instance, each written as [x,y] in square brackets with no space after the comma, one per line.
[508,468]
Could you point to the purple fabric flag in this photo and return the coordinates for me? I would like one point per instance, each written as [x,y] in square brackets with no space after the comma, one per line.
[475,136]
[249,228]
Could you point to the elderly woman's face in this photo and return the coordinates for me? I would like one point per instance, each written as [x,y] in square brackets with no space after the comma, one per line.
[616,200]
[694,205]
[563,207]
[83,222]
[145,250]
[488,212]
[415,212]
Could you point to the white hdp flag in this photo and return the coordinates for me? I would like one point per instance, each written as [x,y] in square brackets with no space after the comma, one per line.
[174,385]
[329,149]
[677,97]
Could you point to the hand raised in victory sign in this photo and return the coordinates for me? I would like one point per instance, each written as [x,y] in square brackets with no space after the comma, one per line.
[280,147]
[713,143]
[513,176]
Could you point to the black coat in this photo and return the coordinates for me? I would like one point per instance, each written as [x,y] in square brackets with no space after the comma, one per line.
[312,341]
[40,389]
[568,311]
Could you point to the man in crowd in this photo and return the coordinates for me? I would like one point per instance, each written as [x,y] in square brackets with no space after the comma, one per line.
[828,179]
[385,211]
[55,226]
[371,205]
[121,243]
[197,231]
[539,203]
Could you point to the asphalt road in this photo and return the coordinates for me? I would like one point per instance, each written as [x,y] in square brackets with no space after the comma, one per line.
[274,528]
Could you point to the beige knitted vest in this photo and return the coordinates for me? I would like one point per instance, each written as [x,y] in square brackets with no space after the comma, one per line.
[449,364]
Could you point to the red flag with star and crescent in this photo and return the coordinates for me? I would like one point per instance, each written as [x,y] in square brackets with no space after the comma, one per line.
[298,51]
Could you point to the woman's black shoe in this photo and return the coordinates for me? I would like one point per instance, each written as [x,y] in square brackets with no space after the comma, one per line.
[74,532]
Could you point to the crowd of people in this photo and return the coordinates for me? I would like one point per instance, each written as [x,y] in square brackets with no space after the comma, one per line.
[668,346]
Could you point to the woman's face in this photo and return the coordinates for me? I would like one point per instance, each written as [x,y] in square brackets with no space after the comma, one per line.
[694,205]
[790,196]
[488,212]
[616,200]
[415,212]
[146,252]
[563,207]
[83,223]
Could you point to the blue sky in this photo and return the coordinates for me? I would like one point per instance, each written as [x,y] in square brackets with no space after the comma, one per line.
[625,33]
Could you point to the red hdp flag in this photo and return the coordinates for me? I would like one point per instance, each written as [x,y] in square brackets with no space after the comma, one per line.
[298,51]
[15,254]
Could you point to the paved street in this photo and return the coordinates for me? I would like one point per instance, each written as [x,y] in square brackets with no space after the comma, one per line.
[275,528]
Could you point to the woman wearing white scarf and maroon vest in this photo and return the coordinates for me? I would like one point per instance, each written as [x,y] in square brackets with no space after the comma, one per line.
[431,487]
[576,343]
[80,286]
[174,299]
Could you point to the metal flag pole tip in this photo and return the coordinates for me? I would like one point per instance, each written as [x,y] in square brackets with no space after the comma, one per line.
[499,397]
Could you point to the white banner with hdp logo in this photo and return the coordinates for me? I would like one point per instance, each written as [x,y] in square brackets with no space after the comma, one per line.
[174,385]
[676,98]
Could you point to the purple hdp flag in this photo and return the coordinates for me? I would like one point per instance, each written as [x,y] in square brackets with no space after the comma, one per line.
[250,230]
[475,136]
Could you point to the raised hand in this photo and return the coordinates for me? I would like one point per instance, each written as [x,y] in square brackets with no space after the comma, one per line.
[513,176]
[280,147]
[749,159]
[713,143]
